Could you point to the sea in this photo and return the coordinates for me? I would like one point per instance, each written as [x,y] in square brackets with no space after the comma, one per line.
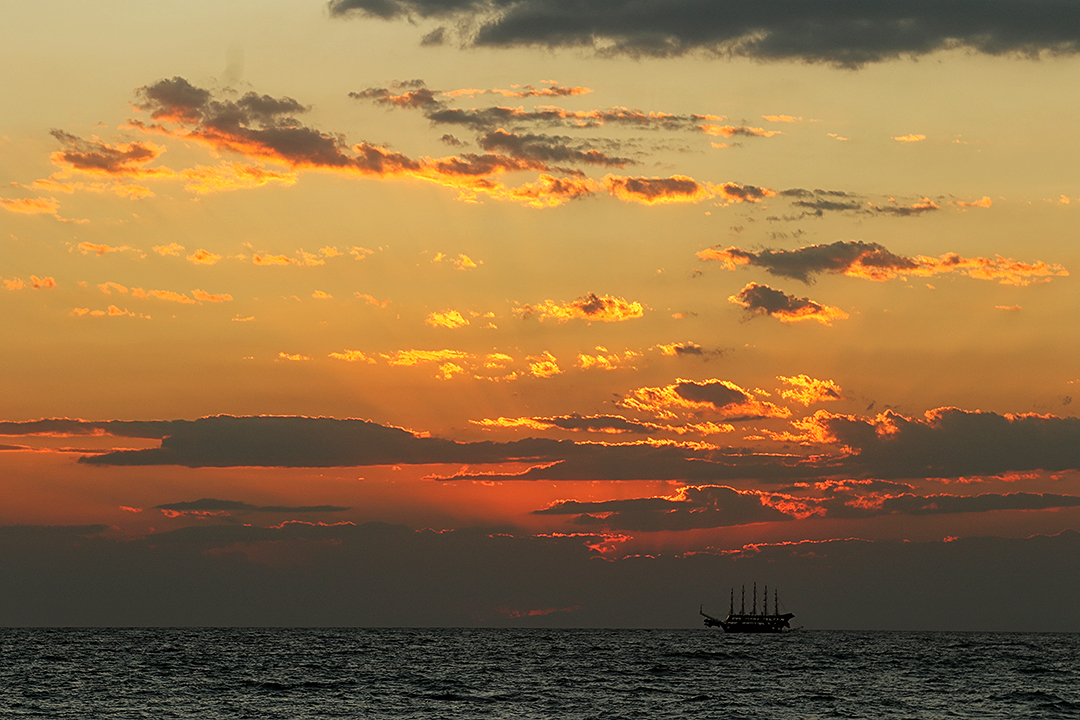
[428,674]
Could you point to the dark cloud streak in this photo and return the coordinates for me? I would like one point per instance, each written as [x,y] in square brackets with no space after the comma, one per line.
[846,33]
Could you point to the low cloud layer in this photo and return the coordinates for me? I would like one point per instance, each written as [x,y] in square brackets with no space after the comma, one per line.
[379,575]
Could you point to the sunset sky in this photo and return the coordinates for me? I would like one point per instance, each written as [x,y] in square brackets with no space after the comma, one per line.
[537,312]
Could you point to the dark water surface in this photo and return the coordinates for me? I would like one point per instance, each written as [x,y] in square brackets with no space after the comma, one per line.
[427,674]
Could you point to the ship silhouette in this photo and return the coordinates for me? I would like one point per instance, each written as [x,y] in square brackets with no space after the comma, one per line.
[753,621]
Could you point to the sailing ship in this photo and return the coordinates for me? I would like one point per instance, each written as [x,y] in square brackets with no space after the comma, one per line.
[752,622]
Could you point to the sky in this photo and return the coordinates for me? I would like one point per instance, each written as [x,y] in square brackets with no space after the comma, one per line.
[540,313]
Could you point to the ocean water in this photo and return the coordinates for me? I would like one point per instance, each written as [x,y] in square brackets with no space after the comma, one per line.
[561,674]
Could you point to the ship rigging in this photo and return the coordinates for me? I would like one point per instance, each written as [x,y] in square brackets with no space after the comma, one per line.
[752,622]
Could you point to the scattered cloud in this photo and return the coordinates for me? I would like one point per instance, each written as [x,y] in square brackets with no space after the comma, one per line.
[203,257]
[764,300]
[353,356]
[543,366]
[591,307]
[654,191]
[983,202]
[450,319]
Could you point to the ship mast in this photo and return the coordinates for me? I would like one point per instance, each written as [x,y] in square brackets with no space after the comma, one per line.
[755,598]
[765,602]
[776,602]
[731,607]
[742,608]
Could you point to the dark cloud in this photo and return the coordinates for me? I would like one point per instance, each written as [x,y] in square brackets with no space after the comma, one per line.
[413,95]
[764,300]
[65,427]
[716,393]
[819,207]
[378,575]
[227,441]
[545,148]
[698,507]
[988,502]
[94,156]
[949,443]
[872,261]
[695,508]
[803,263]
[254,124]
[603,462]
[214,505]
[847,33]
[418,97]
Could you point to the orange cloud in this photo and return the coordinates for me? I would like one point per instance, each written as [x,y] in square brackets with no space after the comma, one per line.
[45,283]
[449,319]
[31,206]
[353,356]
[609,361]
[108,287]
[371,300]
[524,91]
[782,118]
[720,397]
[808,390]
[272,260]
[605,424]
[461,262]
[95,157]
[294,358]
[543,366]
[201,296]
[730,131]
[320,295]
[678,349]
[14,283]
[764,300]
[171,249]
[984,202]
[112,311]
[550,191]
[232,176]
[100,249]
[203,257]
[909,138]
[415,357]
[591,307]
[167,295]
[449,370]
[655,191]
